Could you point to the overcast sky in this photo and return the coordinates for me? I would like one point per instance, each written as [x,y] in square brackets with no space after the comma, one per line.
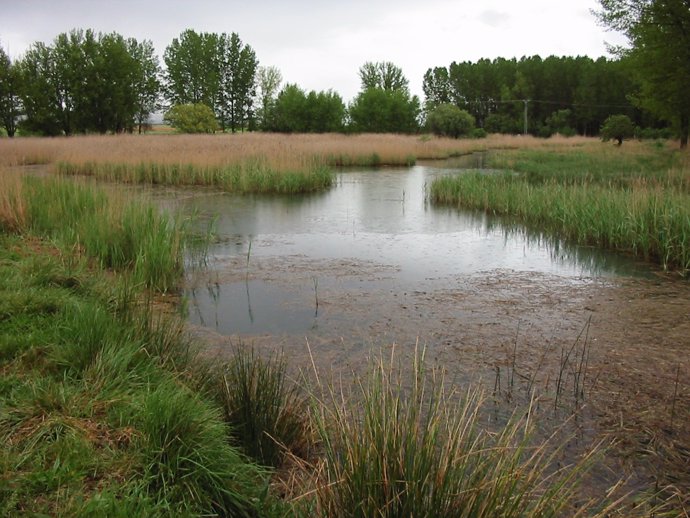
[320,45]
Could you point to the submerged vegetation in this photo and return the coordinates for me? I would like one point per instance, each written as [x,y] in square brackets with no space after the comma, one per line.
[632,202]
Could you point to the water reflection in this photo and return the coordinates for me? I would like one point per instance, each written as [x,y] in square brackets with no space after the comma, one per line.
[378,218]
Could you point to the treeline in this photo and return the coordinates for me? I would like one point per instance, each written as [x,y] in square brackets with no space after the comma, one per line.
[567,95]
[85,82]
[81,83]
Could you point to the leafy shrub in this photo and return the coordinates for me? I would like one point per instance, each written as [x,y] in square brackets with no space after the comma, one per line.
[192,118]
[450,121]
[617,127]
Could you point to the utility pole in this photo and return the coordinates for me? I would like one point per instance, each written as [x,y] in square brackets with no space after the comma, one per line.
[526,101]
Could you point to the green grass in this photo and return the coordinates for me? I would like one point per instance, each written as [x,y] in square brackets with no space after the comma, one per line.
[402,446]
[93,421]
[120,235]
[267,413]
[107,410]
[617,201]
[604,165]
[253,176]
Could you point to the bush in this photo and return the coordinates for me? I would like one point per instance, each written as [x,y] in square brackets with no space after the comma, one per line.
[450,121]
[617,127]
[478,133]
[192,118]
[502,123]
[653,133]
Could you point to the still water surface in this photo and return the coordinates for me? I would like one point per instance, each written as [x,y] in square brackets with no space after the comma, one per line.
[374,231]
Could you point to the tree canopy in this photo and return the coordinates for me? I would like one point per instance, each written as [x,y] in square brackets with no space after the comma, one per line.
[496,92]
[384,104]
[659,35]
[10,104]
[86,82]
[192,118]
[618,128]
[296,111]
[218,70]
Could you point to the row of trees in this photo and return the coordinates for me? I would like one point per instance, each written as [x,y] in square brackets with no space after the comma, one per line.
[85,82]
[541,96]
[383,105]
[659,54]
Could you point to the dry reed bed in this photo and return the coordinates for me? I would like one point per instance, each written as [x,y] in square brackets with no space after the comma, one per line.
[282,152]
[244,163]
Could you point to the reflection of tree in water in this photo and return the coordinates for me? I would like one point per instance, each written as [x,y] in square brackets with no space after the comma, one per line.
[591,260]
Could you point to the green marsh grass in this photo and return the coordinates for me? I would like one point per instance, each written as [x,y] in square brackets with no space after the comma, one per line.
[94,419]
[255,176]
[651,223]
[596,163]
[119,234]
[632,200]
[266,411]
[402,445]
[100,411]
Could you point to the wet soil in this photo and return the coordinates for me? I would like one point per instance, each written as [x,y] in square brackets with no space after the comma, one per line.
[614,353]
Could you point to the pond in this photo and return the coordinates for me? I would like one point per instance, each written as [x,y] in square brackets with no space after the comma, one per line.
[370,266]
[295,264]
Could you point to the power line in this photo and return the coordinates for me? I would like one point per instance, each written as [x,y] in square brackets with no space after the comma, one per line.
[555,103]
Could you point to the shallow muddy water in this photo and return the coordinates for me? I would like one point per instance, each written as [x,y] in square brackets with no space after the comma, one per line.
[373,233]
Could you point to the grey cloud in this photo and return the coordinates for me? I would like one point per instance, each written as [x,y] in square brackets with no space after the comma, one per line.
[493,18]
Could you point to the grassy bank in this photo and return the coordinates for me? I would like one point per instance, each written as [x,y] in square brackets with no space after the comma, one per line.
[253,176]
[101,414]
[634,201]
[106,409]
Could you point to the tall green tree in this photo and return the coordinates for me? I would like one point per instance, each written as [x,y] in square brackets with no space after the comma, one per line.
[298,112]
[376,110]
[10,102]
[436,87]
[268,81]
[384,75]
[193,68]
[85,82]
[237,88]
[145,81]
[384,105]
[41,93]
[659,35]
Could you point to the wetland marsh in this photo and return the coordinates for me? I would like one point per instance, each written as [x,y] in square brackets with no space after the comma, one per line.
[335,276]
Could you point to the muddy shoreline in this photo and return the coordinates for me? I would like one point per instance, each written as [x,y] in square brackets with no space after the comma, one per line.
[627,343]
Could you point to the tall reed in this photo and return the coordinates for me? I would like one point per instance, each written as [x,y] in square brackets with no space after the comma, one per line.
[650,222]
[12,204]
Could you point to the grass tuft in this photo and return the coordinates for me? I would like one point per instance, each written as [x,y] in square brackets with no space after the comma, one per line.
[402,446]
[267,413]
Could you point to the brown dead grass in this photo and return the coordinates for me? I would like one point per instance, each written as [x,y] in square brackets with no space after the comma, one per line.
[12,206]
[283,152]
